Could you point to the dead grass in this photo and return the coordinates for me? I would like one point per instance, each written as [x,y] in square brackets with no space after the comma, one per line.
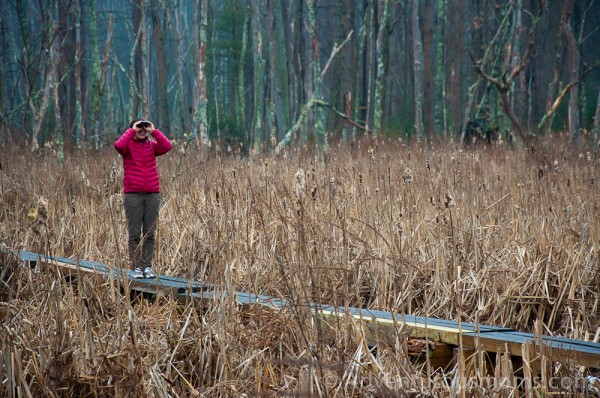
[500,236]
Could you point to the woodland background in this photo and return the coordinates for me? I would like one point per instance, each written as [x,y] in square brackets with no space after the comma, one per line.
[259,74]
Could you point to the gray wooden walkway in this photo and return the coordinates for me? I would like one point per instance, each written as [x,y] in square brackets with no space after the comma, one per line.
[381,323]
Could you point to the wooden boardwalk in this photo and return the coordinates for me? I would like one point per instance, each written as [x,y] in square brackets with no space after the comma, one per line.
[381,324]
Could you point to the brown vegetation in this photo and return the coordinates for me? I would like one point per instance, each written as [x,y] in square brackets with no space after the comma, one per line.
[499,236]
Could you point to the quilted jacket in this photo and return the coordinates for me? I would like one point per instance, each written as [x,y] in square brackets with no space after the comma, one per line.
[139,160]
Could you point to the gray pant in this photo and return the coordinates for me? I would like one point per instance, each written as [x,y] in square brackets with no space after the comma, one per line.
[141,210]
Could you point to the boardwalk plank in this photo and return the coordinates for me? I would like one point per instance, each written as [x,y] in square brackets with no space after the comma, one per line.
[380,323]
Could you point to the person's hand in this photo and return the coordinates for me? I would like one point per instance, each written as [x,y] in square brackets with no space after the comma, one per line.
[150,126]
[138,125]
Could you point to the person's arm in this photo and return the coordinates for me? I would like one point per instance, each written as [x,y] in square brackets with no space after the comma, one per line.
[163,145]
[121,145]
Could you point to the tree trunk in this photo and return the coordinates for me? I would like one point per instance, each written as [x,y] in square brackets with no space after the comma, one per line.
[78,125]
[417,68]
[597,116]
[348,72]
[270,124]
[553,86]
[28,67]
[162,118]
[183,107]
[65,91]
[99,94]
[3,68]
[199,123]
[244,121]
[371,48]
[289,30]
[381,76]
[573,64]
[440,64]
[201,76]
[259,70]
[319,117]
[134,73]
[454,62]
[94,97]
[138,96]
[280,62]
[299,58]
[361,97]
[514,93]
[49,72]
[429,26]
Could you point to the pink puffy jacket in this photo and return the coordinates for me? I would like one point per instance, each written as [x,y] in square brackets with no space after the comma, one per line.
[139,160]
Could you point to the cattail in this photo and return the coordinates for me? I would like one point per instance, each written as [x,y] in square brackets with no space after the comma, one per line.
[408,176]
[42,210]
[39,216]
[449,200]
[300,183]
[113,172]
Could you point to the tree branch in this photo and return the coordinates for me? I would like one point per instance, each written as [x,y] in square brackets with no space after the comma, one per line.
[343,115]
[304,113]
[562,95]
[334,52]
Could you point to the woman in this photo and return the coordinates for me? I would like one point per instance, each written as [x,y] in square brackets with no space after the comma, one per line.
[142,190]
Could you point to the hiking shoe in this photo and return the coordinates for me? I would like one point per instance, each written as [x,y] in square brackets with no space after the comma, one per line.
[148,273]
[137,273]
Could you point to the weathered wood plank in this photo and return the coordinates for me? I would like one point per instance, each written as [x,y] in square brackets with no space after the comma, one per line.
[381,325]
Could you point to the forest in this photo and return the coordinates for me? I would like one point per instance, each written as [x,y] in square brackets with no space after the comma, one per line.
[259,75]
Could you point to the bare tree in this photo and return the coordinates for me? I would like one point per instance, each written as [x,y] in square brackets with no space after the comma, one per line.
[162,101]
[513,67]
[200,123]
[417,68]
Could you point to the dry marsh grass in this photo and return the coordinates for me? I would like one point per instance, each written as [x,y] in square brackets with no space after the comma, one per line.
[500,236]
